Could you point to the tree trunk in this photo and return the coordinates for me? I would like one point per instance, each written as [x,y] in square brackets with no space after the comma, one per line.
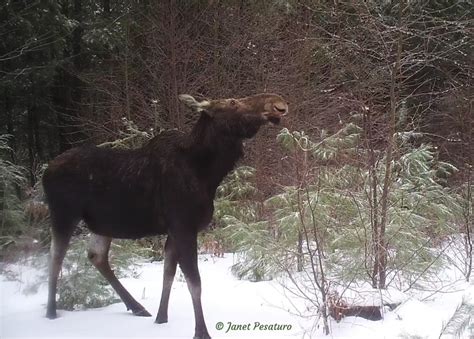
[372,255]
[384,200]
[10,129]
[31,143]
[299,258]
[126,74]
[106,8]
[175,114]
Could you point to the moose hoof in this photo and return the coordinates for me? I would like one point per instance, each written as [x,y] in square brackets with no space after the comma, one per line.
[51,312]
[141,313]
[202,336]
[161,320]
[51,315]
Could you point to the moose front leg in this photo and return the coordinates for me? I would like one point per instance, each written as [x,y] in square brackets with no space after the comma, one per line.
[187,258]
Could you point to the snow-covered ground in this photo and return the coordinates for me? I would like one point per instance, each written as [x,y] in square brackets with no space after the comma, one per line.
[225,299]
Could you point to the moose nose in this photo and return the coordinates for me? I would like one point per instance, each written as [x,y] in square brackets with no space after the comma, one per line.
[282,109]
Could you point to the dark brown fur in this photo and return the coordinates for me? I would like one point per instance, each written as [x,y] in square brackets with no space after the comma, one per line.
[166,187]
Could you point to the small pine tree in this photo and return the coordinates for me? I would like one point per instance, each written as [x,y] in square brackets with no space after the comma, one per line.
[239,226]
[333,198]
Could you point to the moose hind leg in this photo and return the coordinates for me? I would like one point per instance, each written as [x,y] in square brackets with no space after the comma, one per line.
[171,261]
[98,254]
[59,244]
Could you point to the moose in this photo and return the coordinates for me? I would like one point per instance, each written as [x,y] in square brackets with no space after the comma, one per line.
[165,187]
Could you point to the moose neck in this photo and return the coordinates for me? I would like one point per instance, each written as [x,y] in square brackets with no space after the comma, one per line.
[215,151]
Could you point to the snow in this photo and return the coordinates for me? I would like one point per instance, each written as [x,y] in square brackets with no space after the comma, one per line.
[225,299]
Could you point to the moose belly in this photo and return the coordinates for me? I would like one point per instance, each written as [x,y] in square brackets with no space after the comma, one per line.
[124,219]
[136,232]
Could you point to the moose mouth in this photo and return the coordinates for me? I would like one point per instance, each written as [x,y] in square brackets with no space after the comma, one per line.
[276,112]
[274,119]
[275,116]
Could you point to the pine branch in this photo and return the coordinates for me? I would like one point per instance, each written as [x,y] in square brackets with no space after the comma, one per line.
[459,321]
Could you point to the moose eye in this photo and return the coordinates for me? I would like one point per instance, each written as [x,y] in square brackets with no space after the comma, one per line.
[232,102]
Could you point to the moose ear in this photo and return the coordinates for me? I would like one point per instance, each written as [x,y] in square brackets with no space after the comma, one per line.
[189,101]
